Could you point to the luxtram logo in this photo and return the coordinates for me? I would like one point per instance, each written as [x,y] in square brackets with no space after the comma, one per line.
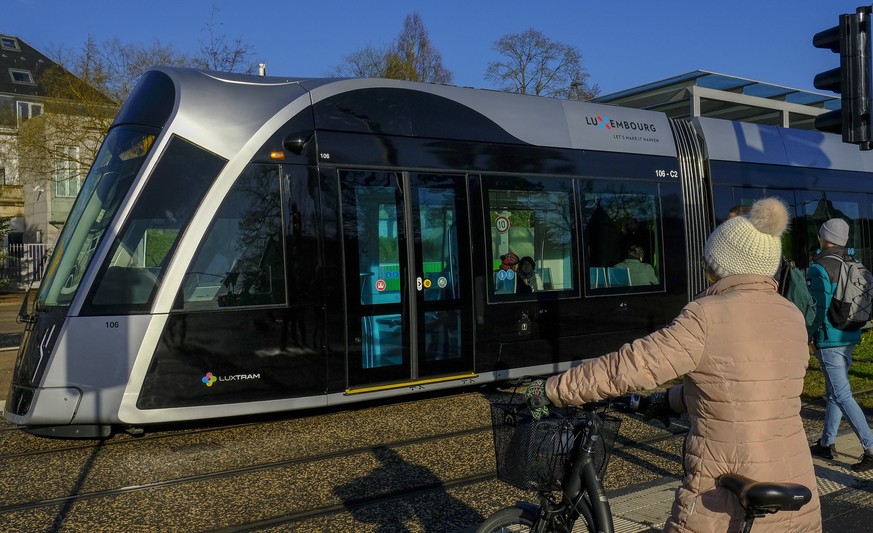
[209,379]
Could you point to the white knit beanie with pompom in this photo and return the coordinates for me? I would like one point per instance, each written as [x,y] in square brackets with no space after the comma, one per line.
[749,244]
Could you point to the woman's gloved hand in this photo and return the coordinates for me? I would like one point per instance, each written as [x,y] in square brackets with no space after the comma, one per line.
[657,406]
[537,401]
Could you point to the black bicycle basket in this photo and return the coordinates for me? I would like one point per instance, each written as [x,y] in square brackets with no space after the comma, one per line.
[534,455]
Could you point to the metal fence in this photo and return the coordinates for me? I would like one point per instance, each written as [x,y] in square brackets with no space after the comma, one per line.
[22,264]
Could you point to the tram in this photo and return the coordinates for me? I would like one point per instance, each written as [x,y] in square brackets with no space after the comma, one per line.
[247,245]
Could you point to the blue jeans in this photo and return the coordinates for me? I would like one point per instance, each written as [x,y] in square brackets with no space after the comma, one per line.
[835,363]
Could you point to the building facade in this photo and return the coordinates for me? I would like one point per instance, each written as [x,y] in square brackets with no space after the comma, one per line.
[51,125]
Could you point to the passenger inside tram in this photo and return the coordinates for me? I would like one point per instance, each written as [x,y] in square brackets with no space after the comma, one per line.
[528,278]
[621,231]
[637,272]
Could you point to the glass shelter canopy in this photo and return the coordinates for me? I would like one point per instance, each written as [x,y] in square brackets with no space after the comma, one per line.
[707,94]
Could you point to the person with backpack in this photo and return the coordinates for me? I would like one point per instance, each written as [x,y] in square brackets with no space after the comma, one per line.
[834,346]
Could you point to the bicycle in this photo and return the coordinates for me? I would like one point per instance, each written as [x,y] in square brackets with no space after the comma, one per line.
[564,456]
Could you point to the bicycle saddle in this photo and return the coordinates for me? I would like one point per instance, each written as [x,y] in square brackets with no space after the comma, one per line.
[764,496]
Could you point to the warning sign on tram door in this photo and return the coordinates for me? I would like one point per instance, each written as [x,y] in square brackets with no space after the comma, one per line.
[380,285]
[502,224]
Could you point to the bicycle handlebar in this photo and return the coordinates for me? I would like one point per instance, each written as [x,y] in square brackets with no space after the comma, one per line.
[629,403]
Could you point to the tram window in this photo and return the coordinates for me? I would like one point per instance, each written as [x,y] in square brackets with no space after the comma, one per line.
[139,256]
[373,222]
[820,206]
[240,261]
[377,230]
[109,180]
[439,246]
[530,218]
[622,235]
[385,344]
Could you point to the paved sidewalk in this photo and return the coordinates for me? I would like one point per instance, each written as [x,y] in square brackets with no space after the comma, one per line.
[846,496]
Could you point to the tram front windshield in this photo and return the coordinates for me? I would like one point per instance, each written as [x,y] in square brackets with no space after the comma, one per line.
[116,166]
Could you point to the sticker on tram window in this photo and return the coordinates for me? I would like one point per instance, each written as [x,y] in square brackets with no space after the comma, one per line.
[380,285]
[442,282]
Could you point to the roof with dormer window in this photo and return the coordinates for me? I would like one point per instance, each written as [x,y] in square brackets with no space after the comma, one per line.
[16,58]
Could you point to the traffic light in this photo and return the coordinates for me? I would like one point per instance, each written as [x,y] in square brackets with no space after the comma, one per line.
[851,39]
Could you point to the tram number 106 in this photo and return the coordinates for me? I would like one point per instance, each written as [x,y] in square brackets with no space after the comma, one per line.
[112,325]
[661,173]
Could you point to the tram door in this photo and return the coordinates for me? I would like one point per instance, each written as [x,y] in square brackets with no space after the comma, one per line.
[407,258]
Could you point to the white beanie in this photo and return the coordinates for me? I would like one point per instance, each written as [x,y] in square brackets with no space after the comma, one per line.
[749,244]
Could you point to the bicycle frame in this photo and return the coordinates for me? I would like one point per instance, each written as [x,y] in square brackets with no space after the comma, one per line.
[580,479]
[583,478]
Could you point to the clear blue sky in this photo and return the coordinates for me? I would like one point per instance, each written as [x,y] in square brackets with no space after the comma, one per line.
[623,44]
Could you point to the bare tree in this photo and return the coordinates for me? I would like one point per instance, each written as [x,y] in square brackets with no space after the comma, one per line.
[369,62]
[113,67]
[84,91]
[124,63]
[217,52]
[412,56]
[535,64]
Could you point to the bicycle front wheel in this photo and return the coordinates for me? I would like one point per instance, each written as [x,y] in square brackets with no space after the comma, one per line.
[510,519]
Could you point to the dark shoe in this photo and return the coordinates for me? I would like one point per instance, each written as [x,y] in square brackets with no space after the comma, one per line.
[825,452]
[865,464]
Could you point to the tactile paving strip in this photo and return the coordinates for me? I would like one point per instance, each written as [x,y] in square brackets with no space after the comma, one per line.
[647,510]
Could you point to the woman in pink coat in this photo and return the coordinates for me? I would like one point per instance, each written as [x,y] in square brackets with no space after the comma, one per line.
[743,351]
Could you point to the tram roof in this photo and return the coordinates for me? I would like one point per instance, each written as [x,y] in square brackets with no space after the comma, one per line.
[701,93]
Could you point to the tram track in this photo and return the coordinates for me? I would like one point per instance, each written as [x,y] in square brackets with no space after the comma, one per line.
[421,491]
[241,470]
[371,497]
[314,489]
[352,506]
[300,460]
[124,438]
[393,444]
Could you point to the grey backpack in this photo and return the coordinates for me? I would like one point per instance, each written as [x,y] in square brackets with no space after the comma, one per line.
[852,304]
